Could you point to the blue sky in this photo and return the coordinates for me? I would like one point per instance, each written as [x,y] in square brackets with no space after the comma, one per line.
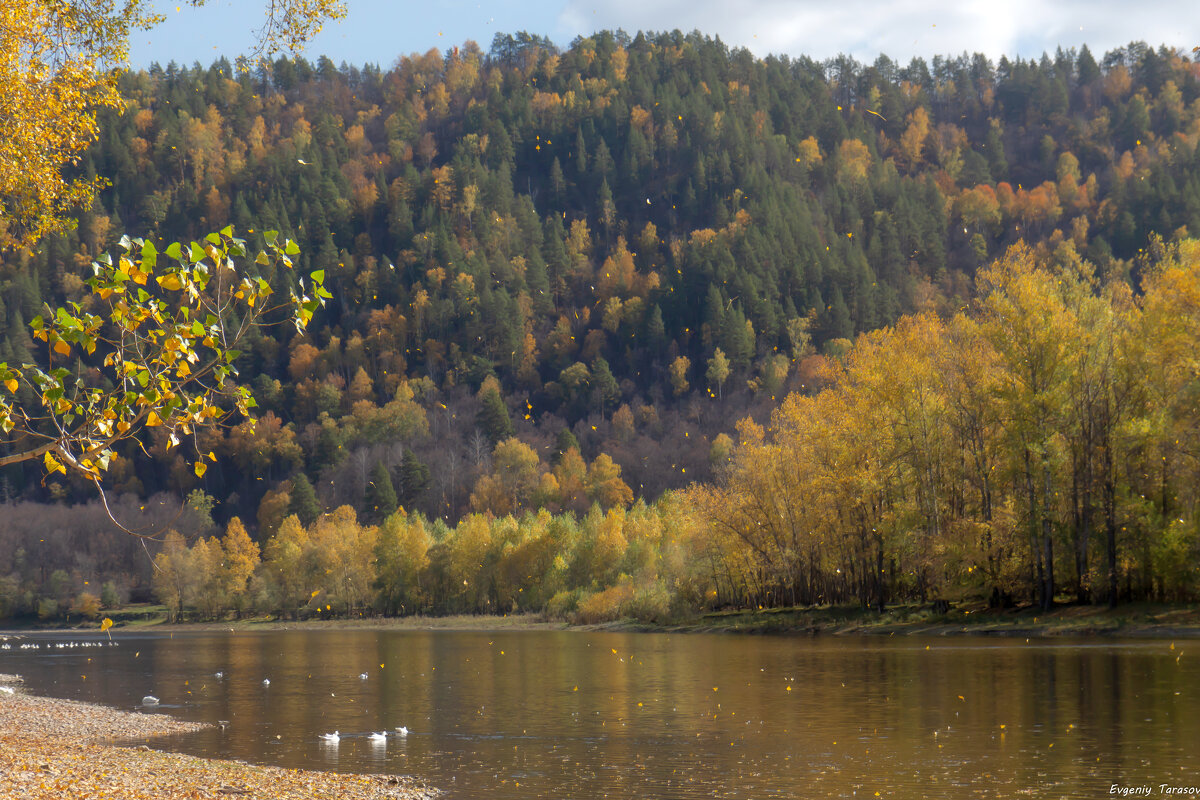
[378,31]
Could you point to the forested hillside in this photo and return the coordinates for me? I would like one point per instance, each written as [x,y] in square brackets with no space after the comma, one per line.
[560,278]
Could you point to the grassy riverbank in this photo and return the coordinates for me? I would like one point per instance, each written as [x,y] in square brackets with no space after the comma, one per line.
[1139,619]
[1142,619]
[59,748]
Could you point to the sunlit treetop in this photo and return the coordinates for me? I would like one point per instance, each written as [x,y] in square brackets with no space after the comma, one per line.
[59,62]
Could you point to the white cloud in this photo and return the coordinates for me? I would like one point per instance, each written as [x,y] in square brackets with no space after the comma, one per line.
[866,28]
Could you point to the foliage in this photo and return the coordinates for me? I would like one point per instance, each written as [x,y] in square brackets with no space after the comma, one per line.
[427,196]
[953,304]
[159,354]
[59,67]
[979,455]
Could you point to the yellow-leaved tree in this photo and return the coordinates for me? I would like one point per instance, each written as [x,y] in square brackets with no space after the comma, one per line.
[162,328]
[59,64]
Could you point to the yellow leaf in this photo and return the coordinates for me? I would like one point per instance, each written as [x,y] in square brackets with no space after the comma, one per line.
[315,593]
[153,420]
[170,281]
[201,468]
[211,457]
[11,385]
[52,465]
[62,347]
[106,624]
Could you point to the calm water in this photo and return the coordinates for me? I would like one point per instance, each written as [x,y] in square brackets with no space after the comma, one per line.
[538,714]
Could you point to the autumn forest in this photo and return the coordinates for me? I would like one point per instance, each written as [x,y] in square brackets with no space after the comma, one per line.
[646,326]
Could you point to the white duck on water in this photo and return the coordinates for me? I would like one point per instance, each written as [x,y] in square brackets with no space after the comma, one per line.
[332,738]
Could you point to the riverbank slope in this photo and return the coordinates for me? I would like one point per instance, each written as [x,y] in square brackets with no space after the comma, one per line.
[1133,620]
[53,749]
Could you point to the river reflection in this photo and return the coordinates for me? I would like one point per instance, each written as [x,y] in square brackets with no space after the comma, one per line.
[538,714]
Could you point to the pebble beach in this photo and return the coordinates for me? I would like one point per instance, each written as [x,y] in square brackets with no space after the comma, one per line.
[53,748]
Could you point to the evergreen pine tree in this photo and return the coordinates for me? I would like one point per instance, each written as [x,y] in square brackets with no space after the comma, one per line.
[604,385]
[304,502]
[414,478]
[379,498]
[563,442]
[493,417]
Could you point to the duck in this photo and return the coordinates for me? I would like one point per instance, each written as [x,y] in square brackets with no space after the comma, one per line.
[266,681]
[378,737]
[363,675]
[332,738]
[149,700]
[402,731]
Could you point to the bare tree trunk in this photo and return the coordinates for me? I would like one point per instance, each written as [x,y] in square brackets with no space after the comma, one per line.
[1047,598]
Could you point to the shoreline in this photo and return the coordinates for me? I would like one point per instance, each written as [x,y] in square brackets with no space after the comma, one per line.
[51,748]
[1130,621]
[1142,620]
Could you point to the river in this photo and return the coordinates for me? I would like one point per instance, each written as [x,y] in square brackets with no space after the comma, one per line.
[511,715]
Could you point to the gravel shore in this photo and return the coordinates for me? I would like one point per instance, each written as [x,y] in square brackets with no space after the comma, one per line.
[64,749]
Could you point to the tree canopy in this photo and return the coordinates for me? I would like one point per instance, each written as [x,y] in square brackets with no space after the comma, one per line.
[152,344]
[59,67]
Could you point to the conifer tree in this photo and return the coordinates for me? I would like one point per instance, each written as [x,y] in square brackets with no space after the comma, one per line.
[304,502]
[380,495]
[414,478]
[604,385]
[493,418]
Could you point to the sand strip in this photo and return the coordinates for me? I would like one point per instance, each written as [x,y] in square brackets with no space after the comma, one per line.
[65,749]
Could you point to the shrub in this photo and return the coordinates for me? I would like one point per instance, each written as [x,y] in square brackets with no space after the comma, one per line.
[47,608]
[563,604]
[86,605]
[109,596]
[1175,561]
[649,602]
[604,606]
[10,597]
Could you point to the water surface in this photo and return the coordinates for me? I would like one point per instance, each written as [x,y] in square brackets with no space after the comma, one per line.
[542,714]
